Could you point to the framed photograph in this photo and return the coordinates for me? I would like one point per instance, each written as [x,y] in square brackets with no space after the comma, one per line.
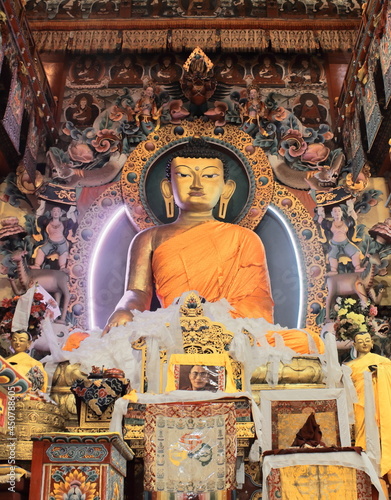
[200,378]
[200,372]
[283,414]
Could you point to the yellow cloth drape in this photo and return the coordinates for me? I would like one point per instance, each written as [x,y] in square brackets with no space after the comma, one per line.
[23,364]
[323,482]
[382,391]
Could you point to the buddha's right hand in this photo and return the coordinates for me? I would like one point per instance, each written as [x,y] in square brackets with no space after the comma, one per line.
[118,318]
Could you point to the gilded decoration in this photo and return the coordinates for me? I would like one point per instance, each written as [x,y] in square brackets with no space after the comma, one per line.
[32,417]
[89,419]
[201,336]
[36,417]
[300,370]
[75,452]
[64,375]
[312,255]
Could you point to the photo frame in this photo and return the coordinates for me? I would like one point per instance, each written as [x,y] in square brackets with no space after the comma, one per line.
[284,412]
[200,372]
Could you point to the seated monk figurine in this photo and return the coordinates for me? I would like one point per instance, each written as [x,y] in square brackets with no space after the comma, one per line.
[197,252]
[380,367]
[23,363]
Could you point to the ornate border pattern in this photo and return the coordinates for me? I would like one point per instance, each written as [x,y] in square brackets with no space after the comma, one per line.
[88,233]
[312,255]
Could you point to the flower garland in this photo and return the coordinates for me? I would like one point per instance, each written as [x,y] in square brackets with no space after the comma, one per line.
[37,314]
[353,318]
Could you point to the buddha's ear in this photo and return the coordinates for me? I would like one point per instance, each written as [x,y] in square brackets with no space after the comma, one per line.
[168,197]
[226,195]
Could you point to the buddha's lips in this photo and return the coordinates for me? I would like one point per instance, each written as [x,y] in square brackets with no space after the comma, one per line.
[196,193]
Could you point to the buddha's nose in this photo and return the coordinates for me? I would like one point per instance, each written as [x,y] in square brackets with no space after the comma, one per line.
[196,184]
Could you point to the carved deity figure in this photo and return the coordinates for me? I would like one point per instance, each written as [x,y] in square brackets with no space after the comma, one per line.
[253,111]
[147,111]
[55,243]
[339,232]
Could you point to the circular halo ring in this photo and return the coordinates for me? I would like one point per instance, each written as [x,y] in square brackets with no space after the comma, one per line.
[160,145]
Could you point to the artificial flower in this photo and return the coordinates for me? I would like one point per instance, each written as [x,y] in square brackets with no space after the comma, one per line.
[352,317]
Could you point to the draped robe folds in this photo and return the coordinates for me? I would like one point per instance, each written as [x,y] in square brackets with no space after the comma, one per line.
[218,260]
[382,391]
[221,260]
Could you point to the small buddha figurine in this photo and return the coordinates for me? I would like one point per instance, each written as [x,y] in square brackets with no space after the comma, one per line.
[24,364]
[380,367]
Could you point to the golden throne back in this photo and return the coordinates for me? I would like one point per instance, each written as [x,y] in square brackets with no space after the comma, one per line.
[202,339]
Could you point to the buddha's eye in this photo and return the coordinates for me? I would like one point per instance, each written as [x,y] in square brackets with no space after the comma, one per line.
[181,175]
[210,176]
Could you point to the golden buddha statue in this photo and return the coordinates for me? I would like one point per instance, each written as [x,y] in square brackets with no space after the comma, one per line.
[24,364]
[197,252]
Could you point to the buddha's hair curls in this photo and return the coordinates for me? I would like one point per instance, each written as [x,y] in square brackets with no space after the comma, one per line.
[30,337]
[197,147]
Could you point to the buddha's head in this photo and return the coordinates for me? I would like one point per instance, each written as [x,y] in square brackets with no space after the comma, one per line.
[197,178]
[363,343]
[20,342]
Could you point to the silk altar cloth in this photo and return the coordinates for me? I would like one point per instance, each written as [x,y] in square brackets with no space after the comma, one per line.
[190,448]
[342,459]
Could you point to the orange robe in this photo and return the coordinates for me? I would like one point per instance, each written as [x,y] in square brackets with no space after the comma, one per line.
[218,260]
[221,260]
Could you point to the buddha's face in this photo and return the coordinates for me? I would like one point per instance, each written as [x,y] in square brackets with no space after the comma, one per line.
[20,342]
[197,183]
[363,343]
